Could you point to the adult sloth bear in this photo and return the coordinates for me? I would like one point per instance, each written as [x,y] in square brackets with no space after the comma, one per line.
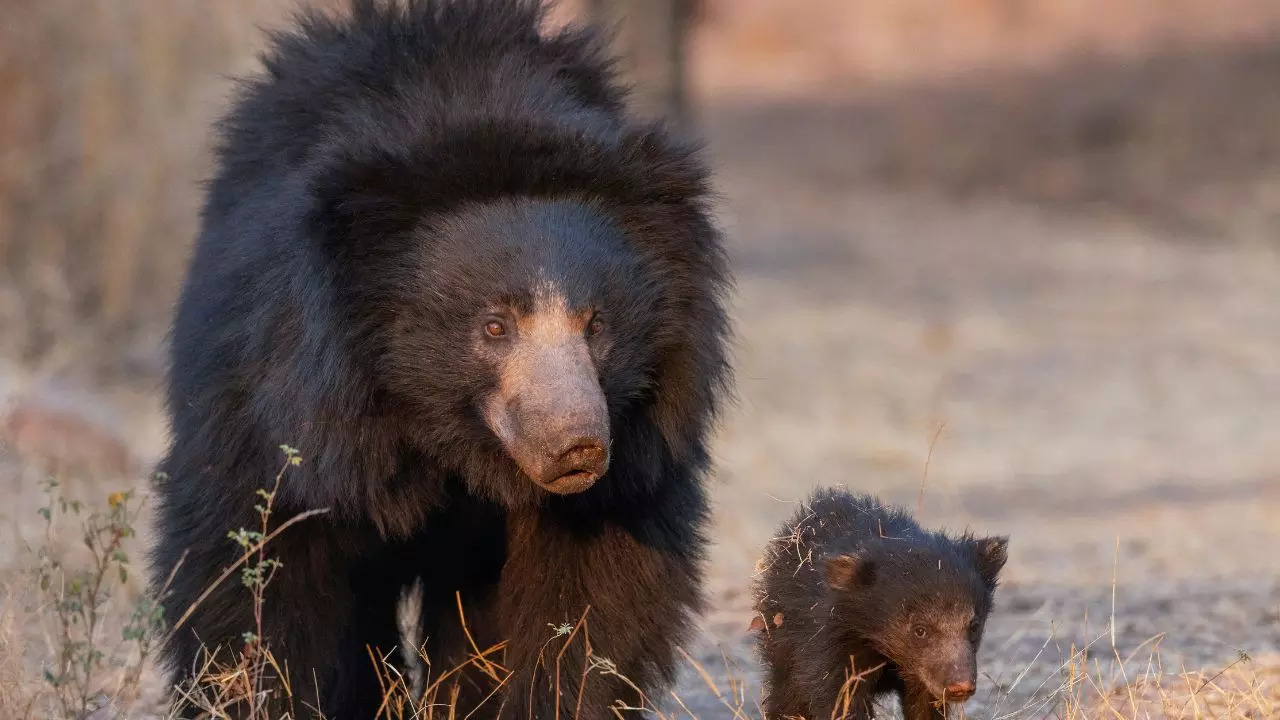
[487,308]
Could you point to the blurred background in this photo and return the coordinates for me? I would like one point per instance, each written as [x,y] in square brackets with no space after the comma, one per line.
[1030,245]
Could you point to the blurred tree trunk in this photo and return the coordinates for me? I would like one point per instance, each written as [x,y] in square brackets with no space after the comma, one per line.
[651,37]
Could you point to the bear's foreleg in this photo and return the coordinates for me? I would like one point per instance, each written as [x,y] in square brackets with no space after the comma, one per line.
[582,603]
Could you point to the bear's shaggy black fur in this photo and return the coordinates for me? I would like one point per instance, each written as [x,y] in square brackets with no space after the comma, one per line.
[854,600]
[426,215]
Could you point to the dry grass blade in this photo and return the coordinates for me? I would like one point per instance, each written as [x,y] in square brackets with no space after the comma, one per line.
[924,477]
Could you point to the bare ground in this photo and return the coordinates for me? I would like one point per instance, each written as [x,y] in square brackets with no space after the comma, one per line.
[1105,395]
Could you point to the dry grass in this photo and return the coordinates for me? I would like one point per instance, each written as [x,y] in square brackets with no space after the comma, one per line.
[102,147]
[13,673]
[97,642]
[1103,685]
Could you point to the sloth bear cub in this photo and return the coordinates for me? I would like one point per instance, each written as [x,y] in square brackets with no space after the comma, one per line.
[855,600]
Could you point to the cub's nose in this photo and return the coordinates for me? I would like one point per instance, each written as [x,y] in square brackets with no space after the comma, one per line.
[962,690]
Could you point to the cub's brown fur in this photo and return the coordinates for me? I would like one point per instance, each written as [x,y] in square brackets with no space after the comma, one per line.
[855,600]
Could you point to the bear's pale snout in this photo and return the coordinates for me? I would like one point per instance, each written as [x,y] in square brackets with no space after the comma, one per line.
[549,411]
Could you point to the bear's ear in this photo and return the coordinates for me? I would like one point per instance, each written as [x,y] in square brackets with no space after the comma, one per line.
[990,554]
[845,572]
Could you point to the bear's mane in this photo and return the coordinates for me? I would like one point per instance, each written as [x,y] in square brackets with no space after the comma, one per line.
[370,122]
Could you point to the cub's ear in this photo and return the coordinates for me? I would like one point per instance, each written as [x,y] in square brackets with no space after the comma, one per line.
[845,572]
[990,554]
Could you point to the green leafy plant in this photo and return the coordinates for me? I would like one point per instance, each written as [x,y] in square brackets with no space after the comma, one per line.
[77,597]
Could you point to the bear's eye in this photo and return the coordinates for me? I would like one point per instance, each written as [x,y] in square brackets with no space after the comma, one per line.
[595,326]
[495,329]
[974,628]
[920,631]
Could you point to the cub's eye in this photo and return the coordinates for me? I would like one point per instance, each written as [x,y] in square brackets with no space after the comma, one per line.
[920,631]
[595,326]
[974,628]
[495,329]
